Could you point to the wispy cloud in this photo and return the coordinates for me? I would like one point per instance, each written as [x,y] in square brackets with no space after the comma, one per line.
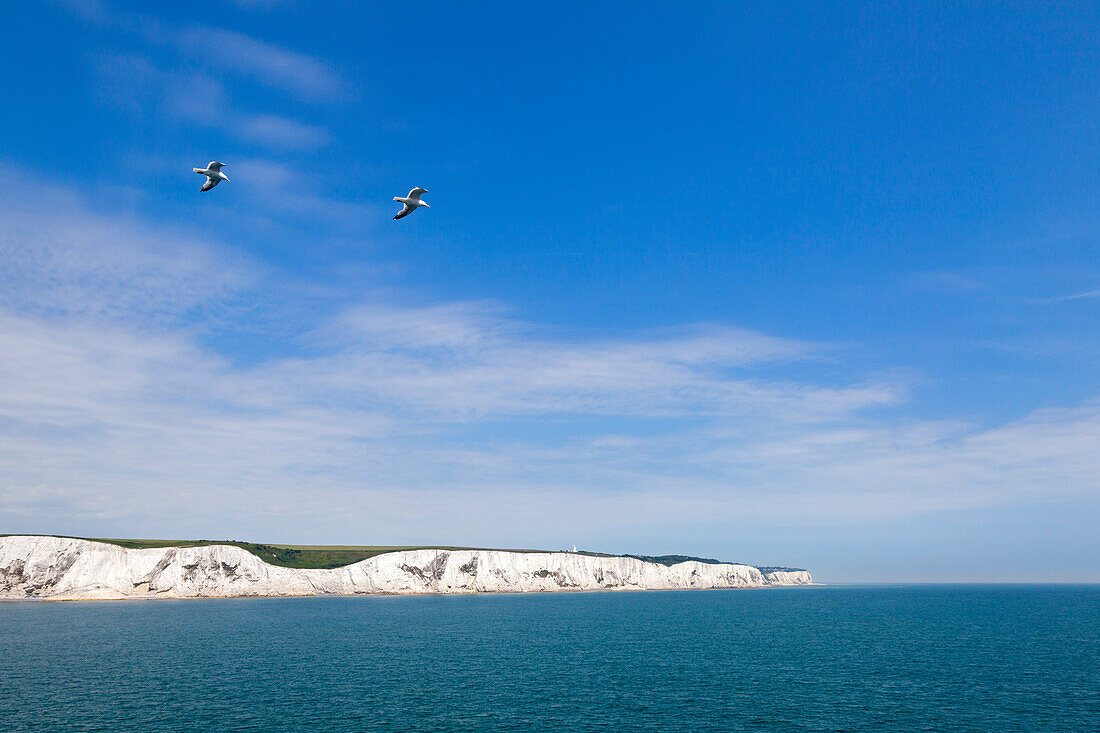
[399,420]
[268,64]
[222,50]
[61,257]
[1078,296]
[140,87]
[276,187]
[463,362]
[281,132]
[946,282]
[91,10]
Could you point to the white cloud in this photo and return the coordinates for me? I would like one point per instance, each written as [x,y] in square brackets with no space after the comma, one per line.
[90,10]
[433,420]
[1079,296]
[135,83]
[268,64]
[281,132]
[223,51]
[465,361]
[61,257]
[275,187]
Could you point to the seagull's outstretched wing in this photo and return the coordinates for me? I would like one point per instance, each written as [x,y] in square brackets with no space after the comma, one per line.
[214,165]
[405,211]
[415,193]
[210,183]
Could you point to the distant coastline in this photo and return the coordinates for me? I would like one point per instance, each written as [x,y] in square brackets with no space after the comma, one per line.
[67,568]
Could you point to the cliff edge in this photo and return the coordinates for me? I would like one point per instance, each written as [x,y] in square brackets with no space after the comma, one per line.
[59,568]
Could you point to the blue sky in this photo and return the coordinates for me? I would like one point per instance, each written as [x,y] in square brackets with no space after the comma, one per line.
[796,285]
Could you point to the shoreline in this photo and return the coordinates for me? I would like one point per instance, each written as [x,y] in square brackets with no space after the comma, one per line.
[464,593]
[53,568]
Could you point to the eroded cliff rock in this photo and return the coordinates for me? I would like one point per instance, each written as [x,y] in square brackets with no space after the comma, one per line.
[62,568]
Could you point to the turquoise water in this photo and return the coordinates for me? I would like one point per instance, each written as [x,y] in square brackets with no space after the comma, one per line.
[905,658]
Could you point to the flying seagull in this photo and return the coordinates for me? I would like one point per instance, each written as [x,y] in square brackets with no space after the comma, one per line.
[213,173]
[412,202]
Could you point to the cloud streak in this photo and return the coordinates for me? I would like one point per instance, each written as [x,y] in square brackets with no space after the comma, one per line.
[1078,296]
[281,132]
[225,50]
[61,257]
[410,421]
[200,100]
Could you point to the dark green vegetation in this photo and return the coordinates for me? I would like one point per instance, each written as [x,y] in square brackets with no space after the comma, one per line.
[774,568]
[287,556]
[290,556]
[674,559]
[335,556]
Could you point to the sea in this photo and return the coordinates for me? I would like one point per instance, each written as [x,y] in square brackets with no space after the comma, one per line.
[829,658]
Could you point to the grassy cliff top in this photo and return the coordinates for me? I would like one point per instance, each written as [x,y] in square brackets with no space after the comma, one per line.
[335,556]
[293,556]
[675,559]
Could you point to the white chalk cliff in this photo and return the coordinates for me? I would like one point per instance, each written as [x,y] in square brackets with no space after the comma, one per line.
[66,569]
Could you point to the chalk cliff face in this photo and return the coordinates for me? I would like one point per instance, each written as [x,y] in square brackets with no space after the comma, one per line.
[61,568]
[788,577]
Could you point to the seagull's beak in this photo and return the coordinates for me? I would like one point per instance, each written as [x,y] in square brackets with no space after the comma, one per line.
[427,206]
[227,179]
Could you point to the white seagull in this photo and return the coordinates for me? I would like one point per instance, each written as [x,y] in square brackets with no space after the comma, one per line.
[412,202]
[213,173]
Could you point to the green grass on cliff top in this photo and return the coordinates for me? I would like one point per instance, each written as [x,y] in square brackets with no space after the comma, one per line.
[336,556]
[287,556]
[293,556]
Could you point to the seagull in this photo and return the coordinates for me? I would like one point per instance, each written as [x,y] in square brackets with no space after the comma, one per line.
[213,173]
[412,202]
